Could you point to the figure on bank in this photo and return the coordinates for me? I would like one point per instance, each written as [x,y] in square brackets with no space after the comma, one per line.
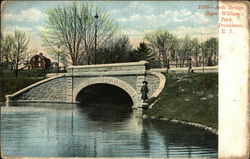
[144,91]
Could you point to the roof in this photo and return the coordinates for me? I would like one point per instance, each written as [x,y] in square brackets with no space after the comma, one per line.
[45,58]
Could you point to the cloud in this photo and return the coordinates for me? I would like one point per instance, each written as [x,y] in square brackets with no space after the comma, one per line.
[132,18]
[200,18]
[28,15]
[12,28]
[31,32]
[185,12]
[114,11]
[184,16]
[199,32]
[140,7]
[169,16]
[135,17]
[131,32]
[39,28]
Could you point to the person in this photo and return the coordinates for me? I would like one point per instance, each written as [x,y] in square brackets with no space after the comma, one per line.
[144,91]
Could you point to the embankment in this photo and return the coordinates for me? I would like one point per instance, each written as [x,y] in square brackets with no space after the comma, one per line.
[11,85]
[189,99]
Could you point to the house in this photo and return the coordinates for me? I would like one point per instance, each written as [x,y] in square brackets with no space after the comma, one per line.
[40,62]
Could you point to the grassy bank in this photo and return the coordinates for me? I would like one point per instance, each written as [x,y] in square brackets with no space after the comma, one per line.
[11,85]
[186,97]
[27,73]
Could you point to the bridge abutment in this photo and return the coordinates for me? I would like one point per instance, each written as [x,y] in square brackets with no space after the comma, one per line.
[64,88]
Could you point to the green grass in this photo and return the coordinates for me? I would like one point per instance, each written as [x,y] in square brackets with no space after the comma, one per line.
[27,72]
[9,85]
[181,99]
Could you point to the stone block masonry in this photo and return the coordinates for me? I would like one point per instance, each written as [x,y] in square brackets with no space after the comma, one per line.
[64,88]
[51,91]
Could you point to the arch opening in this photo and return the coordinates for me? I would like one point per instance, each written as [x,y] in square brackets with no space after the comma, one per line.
[103,93]
[108,80]
[105,102]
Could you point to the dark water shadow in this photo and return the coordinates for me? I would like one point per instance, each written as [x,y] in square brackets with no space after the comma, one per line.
[179,135]
[106,112]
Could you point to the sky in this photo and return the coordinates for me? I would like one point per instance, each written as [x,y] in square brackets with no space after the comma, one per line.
[134,18]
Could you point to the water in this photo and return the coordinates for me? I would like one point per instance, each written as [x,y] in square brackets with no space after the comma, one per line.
[71,131]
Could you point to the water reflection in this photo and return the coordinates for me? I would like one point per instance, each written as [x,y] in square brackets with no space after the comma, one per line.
[73,131]
[183,140]
[106,112]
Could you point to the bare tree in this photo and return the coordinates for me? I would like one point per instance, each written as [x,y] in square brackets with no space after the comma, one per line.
[186,49]
[196,51]
[7,48]
[73,28]
[211,49]
[13,49]
[20,46]
[162,43]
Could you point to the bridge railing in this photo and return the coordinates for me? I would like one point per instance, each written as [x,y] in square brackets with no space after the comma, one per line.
[131,66]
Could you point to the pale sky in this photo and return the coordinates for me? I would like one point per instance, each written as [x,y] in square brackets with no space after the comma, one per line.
[134,18]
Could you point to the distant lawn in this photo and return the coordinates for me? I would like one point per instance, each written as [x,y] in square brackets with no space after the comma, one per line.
[11,85]
[27,72]
[186,98]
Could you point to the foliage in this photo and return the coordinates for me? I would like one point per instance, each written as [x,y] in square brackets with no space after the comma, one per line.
[185,97]
[117,50]
[196,52]
[185,50]
[73,29]
[7,47]
[162,43]
[14,48]
[167,48]
[210,49]
[143,52]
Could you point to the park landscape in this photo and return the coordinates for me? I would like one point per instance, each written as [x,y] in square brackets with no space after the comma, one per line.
[113,52]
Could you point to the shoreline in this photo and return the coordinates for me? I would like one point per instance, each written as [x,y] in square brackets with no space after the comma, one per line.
[210,129]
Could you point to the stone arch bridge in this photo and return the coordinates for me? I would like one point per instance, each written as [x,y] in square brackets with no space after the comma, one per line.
[64,88]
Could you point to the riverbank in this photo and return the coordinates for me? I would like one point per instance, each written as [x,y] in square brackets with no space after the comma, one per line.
[9,85]
[189,99]
[210,129]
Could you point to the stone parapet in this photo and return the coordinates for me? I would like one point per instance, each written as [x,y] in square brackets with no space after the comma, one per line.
[109,73]
[131,66]
[156,82]
[207,69]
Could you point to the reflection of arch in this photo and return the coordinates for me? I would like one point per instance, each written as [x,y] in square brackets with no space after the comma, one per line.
[107,80]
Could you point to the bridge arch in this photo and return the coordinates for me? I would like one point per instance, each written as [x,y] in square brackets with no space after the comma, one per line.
[107,80]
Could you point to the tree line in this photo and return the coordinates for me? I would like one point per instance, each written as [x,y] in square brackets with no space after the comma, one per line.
[85,34]
[167,49]
[86,39]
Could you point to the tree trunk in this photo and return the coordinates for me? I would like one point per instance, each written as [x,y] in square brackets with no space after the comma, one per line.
[16,71]
[16,68]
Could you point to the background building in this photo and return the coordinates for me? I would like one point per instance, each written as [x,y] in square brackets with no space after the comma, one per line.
[40,62]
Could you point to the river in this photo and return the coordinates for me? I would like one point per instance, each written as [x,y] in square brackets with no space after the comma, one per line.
[64,130]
